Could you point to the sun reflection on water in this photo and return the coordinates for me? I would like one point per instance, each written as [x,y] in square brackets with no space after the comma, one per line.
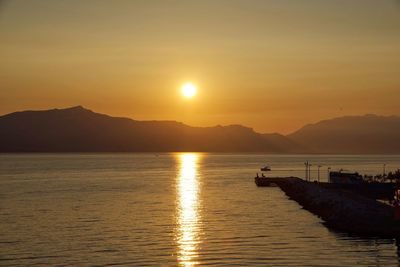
[188,218]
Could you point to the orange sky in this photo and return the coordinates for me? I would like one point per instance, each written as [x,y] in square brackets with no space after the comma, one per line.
[270,65]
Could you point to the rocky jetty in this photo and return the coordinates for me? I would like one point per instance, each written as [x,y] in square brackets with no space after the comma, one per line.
[343,210]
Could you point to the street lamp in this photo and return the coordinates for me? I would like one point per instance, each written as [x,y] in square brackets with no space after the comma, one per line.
[384,169]
[319,166]
[306,164]
[329,174]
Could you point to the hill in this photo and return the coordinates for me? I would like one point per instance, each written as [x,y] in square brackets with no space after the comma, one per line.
[78,129]
[368,134]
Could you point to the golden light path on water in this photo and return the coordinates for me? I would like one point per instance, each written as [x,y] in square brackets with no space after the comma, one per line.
[188,218]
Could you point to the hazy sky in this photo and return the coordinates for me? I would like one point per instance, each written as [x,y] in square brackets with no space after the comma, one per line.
[270,65]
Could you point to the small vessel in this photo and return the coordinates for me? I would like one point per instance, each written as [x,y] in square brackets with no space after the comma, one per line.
[341,177]
[265,168]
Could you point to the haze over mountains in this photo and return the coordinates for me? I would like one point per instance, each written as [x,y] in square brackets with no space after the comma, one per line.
[78,129]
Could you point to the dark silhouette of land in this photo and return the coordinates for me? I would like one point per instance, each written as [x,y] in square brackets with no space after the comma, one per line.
[368,134]
[78,129]
[341,208]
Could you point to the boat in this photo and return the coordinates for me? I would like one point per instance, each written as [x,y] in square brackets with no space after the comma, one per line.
[341,177]
[353,181]
[265,168]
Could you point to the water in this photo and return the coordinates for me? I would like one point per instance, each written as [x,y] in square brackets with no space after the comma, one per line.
[169,210]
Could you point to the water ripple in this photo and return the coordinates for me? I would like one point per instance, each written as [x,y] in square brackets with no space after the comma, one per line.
[187,209]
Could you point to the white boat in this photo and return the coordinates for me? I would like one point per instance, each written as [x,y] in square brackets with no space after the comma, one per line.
[265,168]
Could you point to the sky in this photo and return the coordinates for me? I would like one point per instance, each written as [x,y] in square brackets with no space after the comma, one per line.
[271,65]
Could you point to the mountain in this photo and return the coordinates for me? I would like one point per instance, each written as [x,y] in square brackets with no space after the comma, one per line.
[78,129]
[368,134]
[286,144]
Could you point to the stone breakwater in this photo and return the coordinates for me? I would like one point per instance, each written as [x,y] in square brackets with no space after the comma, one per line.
[343,210]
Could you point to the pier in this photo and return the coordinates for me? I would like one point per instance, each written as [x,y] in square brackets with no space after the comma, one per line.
[342,208]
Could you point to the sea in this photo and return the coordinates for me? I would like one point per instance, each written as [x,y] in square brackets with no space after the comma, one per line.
[175,209]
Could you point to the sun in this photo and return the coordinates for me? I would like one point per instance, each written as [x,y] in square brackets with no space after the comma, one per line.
[189,90]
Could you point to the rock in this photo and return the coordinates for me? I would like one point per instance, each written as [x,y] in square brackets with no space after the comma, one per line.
[342,210]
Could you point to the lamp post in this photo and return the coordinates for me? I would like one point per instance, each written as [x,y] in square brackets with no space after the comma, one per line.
[329,174]
[384,169]
[306,164]
[319,166]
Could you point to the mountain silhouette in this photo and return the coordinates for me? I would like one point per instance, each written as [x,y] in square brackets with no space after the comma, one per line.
[78,129]
[368,134]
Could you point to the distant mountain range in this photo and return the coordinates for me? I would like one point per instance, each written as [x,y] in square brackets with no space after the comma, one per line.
[368,134]
[78,129]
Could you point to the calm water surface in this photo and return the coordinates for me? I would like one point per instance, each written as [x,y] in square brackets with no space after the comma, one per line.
[171,209]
